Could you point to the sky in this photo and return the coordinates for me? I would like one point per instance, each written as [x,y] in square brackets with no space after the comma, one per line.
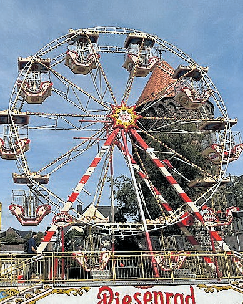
[211,32]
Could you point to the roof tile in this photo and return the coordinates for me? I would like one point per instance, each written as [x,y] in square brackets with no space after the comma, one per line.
[160,79]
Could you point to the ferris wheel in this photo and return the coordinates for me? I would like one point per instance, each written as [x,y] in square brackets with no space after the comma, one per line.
[98,102]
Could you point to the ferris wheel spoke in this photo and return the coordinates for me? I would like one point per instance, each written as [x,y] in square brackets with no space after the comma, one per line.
[98,88]
[65,117]
[167,125]
[71,124]
[79,105]
[49,196]
[103,177]
[56,115]
[64,96]
[70,158]
[73,153]
[85,107]
[108,86]
[67,82]
[66,125]
[178,154]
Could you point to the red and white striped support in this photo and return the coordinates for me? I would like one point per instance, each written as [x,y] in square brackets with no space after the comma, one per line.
[168,208]
[191,239]
[162,201]
[167,175]
[47,238]
[219,240]
[177,187]
[72,198]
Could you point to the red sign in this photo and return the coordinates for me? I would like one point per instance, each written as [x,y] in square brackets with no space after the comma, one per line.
[106,295]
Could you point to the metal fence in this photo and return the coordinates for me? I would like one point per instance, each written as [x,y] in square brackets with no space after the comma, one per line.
[120,266]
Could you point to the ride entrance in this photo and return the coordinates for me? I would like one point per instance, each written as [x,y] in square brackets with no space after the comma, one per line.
[93,105]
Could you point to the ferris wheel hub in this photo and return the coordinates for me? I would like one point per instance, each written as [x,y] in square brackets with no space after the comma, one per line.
[124,116]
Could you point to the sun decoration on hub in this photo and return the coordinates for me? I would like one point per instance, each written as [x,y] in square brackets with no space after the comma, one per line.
[124,116]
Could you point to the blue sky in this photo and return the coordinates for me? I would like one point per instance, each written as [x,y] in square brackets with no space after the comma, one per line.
[211,32]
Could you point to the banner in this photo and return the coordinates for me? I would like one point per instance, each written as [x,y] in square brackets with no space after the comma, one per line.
[156,294]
